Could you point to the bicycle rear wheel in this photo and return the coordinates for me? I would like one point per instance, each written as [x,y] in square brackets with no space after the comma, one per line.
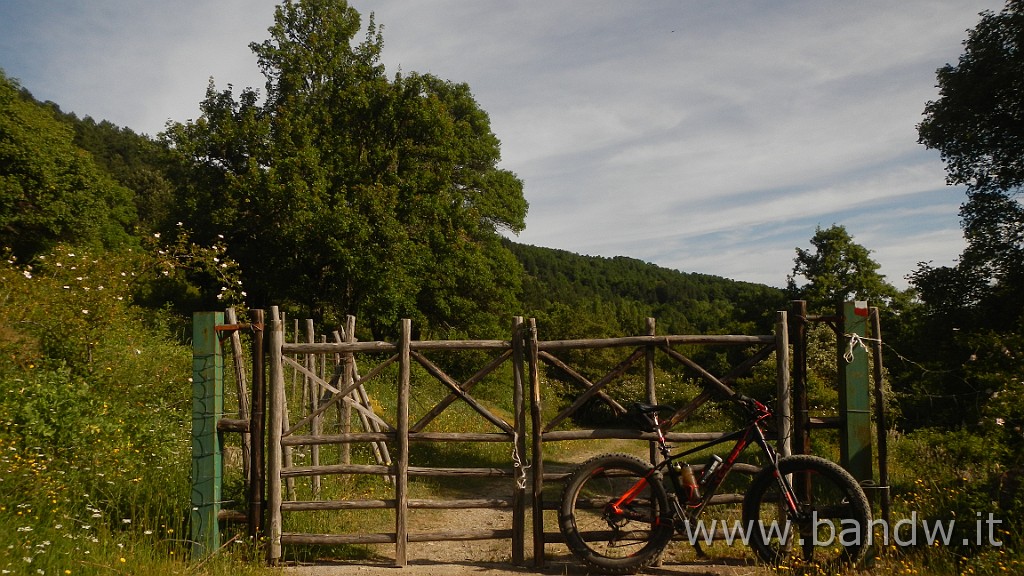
[615,541]
[834,519]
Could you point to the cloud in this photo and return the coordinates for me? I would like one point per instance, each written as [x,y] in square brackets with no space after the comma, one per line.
[706,136]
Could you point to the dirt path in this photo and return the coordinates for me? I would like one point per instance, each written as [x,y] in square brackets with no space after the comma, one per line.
[493,557]
[553,567]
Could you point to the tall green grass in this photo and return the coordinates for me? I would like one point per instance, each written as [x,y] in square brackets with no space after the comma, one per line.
[95,413]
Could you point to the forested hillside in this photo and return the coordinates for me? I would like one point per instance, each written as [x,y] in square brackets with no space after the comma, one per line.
[615,295]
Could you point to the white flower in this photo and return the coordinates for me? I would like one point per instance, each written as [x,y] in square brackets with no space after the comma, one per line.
[156,235]
[84,311]
[26,274]
[1000,421]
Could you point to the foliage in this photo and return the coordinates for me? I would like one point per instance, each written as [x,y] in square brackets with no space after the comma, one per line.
[360,195]
[95,397]
[972,313]
[592,295]
[955,478]
[50,190]
[975,123]
[838,270]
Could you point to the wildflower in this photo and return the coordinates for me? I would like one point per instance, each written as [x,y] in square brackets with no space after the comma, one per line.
[156,234]
[26,274]
[1000,421]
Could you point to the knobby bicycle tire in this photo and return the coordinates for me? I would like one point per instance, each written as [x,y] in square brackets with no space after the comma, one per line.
[836,515]
[615,543]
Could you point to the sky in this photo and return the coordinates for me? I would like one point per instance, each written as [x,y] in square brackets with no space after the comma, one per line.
[704,136]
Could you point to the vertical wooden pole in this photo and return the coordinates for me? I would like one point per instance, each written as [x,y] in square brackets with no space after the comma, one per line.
[784,410]
[881,422]
[257,428]
[238,360]
[207,408]
[801,419]
[854,393]
[652,394]
[402,442]
[316,425]
[536,417]
[275,430]
[519,445]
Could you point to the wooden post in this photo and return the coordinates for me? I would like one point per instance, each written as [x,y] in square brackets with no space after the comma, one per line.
[854,393]
[276,429]
[350,371]
[314,403]
[881,423]
[519,445]
[652,394]
[257,428]
[801,420]
[784,410]
[207,408]
[533,351]
[238,360]
[402,442]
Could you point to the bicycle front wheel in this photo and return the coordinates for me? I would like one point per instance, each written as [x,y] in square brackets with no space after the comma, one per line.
[833,520]
[606,531]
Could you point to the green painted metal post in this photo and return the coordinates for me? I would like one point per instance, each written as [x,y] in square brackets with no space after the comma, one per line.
[855,393]
[207,408]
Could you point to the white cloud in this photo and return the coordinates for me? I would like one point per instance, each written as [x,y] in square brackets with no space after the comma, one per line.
[706,136]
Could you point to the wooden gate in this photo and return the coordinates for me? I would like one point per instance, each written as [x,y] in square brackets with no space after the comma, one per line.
[390,435]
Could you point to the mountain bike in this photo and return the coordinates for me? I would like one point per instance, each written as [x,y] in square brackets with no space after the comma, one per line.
[618,512]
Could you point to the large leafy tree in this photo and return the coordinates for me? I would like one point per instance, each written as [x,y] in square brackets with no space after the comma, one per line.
[51,190]
[977,125]
[972,314]
[836,270]
[347,192]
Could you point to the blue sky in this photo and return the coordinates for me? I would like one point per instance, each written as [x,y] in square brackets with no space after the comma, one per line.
[704,136]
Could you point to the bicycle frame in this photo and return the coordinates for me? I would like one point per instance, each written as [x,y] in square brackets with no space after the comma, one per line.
[753,433]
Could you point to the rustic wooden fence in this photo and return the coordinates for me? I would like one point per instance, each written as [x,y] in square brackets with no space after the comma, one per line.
[310,378]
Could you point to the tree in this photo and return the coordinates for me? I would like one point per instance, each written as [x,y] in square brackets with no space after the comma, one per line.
[346,192]
[977,125]
[837,270]
[50,190]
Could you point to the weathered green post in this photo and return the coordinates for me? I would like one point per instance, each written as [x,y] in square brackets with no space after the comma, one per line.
[855,393]
[207,408]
